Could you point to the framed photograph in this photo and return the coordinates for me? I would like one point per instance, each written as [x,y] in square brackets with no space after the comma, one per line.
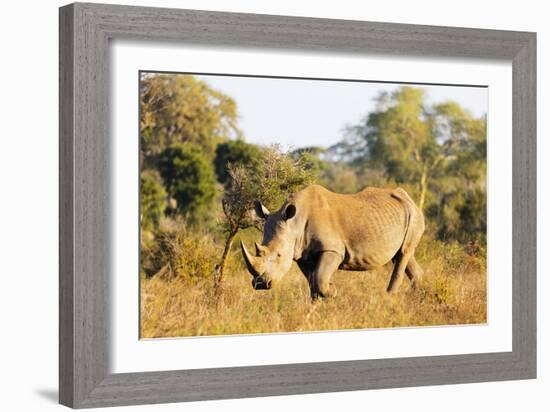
[257,205]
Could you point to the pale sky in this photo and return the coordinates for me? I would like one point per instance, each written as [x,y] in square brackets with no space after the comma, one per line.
[298,113]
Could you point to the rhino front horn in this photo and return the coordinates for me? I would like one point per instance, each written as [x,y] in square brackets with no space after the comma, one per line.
[251,261]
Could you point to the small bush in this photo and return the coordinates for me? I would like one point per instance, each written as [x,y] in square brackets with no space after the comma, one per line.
[181,254]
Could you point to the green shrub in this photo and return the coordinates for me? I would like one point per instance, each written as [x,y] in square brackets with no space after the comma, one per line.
[189,177]
[153,200]
[180,254]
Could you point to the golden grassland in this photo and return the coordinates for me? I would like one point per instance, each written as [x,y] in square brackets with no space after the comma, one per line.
[452,292]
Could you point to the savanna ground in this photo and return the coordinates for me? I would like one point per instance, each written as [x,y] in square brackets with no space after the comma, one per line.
[452,292]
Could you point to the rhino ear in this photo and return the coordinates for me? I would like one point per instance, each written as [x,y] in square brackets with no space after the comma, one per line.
[261,210]
[290,212]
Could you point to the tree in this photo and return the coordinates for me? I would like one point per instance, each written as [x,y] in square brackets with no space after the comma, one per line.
[462,210]
[400,138]
[153,199]
[177,108]
[234,152]
[189,178]
[440,151]
[270,179]
[415,143]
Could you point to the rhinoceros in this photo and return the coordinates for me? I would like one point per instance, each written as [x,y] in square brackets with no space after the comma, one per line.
[324,232]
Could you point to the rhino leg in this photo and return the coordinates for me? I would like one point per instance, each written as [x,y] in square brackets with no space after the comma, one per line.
[414,271]
[320,280]
[307,267]
[404,259]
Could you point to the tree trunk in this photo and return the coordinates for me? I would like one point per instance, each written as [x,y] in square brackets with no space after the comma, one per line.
[423,190]
[218,274]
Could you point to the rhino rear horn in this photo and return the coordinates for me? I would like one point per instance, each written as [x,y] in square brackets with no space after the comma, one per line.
[260,250]
[250,261]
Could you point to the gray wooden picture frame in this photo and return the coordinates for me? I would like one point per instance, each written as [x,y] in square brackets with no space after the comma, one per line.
[85,32]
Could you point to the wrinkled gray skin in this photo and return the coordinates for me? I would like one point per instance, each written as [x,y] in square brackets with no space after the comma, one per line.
[324,232]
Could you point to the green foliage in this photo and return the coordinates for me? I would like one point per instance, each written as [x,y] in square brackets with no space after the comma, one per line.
[234,152]
[189,178]
[270,179]
[311,158]
[180,109]
[463,215]
[153,199]
[439,151]
[398,138]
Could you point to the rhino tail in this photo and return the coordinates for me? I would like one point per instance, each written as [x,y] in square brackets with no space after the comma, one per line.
[415,220]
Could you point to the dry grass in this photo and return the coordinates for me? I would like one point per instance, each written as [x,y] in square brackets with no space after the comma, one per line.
[453,292]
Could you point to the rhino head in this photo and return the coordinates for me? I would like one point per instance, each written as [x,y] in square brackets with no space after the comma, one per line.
[273,257]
